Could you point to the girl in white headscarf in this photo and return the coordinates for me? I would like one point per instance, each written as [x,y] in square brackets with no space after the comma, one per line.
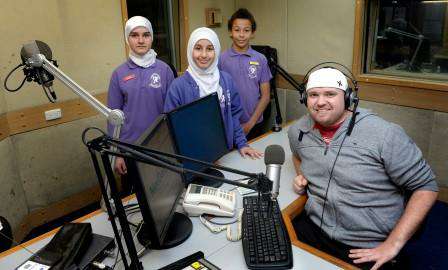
[138,87]
[202,78]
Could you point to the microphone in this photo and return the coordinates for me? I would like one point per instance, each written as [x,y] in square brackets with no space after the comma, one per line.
[274,157]
[35,47]
[38,74]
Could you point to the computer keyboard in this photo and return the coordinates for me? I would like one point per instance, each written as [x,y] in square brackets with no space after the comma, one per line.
[266,243]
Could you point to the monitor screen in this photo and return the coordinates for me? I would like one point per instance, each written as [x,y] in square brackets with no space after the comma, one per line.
[198,131]
[157,189]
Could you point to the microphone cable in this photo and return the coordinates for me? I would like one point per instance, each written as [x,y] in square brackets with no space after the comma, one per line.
[7,77]
[348,133]
[29,76]
[48,91]
[329,180]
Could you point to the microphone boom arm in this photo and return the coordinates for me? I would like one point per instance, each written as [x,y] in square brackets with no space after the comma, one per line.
[287,77]
[104,143]
[115,117]
[39,60]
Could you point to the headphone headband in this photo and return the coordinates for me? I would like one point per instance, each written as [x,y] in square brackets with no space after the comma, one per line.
[348,73]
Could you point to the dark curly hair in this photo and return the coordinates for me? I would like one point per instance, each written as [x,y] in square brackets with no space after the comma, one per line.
[242,13]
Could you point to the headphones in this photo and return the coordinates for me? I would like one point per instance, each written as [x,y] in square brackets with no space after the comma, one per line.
[351,94]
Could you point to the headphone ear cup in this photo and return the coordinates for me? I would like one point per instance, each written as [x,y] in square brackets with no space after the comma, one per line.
[348,98]
[304,99]
[303,95]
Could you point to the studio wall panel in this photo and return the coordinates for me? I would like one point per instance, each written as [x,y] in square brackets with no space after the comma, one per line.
[416,122]
[196,18]
[86,37]
[53,162]
[13,203]
[271,18]
[318,31]
[438,149]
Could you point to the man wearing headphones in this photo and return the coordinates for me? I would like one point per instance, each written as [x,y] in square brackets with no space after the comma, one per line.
[358,178]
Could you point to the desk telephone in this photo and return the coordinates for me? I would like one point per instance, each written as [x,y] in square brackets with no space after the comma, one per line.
[207,200]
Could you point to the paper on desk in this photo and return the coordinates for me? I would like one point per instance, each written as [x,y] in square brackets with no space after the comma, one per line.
[30,265]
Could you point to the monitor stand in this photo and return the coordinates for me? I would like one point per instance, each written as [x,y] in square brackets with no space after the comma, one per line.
[208,182]
[179,230]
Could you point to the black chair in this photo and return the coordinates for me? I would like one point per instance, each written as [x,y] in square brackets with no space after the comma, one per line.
[428,248]
[5,234]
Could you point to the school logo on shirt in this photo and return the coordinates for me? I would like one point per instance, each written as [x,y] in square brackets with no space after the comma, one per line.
[155,81]
[252,71]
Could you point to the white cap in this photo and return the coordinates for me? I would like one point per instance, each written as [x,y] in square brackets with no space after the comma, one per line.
[327,77]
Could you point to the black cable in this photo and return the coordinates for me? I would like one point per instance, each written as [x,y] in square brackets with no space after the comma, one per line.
[7,77]
[130,205]
[133,212]
[44,88]
[209,219]
[46,94]
[20,245]
[84,133]
[329,180]
[142,249]
[118,253]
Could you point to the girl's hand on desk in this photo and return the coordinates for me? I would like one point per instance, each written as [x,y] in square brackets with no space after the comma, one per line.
[250,152]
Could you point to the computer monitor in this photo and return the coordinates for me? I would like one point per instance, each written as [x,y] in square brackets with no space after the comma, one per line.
[198,132]
[158,191]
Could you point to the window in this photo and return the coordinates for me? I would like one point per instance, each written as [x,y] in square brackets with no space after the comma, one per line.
[406,38]
[164,17]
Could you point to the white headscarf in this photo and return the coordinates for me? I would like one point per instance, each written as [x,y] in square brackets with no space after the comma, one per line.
[150,57]
[207,79]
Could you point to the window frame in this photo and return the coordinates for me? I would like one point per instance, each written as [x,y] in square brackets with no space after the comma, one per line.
[405,91]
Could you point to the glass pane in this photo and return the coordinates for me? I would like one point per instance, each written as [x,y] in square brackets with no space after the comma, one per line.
[161,14]
[407,38]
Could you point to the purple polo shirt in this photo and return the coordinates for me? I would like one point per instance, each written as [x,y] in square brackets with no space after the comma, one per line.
[185,90]
[248,70]
[140,94]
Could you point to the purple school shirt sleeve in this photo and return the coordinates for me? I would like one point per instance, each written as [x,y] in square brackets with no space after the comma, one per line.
[266,75]
[173,99]
[114,98]
[239,136]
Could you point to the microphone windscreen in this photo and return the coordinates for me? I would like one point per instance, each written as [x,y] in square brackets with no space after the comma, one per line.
[35,47]
[274,154]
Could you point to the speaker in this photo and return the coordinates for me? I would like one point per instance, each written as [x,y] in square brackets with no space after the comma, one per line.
[351,93]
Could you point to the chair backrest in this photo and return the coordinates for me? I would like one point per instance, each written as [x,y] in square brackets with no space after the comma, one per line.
[428,248]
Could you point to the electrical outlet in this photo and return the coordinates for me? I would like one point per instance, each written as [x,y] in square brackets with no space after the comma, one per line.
[53,114]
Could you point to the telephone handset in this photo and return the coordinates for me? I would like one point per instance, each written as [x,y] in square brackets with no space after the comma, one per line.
[207,200]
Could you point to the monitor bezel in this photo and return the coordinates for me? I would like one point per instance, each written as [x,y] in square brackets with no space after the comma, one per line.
[213,96]
[135,177]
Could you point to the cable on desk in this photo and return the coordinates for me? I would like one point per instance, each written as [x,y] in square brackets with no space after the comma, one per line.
[20,245]
[139,252]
